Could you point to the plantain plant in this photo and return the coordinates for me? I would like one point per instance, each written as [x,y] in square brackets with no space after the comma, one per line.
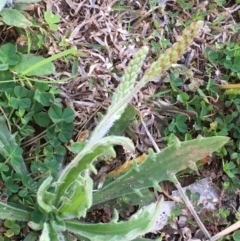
[62,201]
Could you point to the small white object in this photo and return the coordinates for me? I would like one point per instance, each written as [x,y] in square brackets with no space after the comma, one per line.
[208,196]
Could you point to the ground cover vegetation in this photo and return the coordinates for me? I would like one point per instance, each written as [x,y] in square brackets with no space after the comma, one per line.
[105,105]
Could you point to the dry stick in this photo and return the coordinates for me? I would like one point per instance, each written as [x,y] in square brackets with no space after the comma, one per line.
[180,189]
[226,231]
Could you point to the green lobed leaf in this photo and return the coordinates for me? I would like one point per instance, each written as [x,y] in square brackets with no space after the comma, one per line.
[139,224]
[126,202]
[51,18]
[45,198]
[77,199]
[85,159]
[157,167]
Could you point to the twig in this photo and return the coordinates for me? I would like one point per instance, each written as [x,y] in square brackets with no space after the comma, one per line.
[149,135]
[226,231]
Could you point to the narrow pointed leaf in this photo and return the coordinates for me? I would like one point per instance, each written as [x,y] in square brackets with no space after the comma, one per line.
[139,224]
[13,213]
[49,234]
[45,198]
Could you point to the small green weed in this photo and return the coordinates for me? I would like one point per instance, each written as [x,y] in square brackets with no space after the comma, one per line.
[227,57]
[52,20]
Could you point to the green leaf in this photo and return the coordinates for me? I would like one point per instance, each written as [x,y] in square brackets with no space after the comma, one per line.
[13,226]
[125,121]
[77,199]
[8,54]
[48,233]
[13,17]
[19,101]
[27,130]
[180,123]
[44,98]
[85,159]
[65,131]
[42,86]
[14,153]
[16,213]
[51,152]
[45,198]
[20,91]
[126,202]
[6,75]
[77,147]
[28,60]
[236,235]
[51,18]
[7,139]
[42,119]
[213,55]
[52,137]
[4,168]
[9,183]
[45,236]
[68,115]
[31,237]
[37,216]
[57,115]
[156,167]
[139,224]
[4,67]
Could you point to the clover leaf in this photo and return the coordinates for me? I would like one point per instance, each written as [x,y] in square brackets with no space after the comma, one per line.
[14,153]
[20,100]
[8,54]
[57,115]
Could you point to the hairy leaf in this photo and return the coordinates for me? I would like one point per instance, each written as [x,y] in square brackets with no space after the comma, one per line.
[16,213]
[84,160]
[137,225]
[157,167]
[77,199]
